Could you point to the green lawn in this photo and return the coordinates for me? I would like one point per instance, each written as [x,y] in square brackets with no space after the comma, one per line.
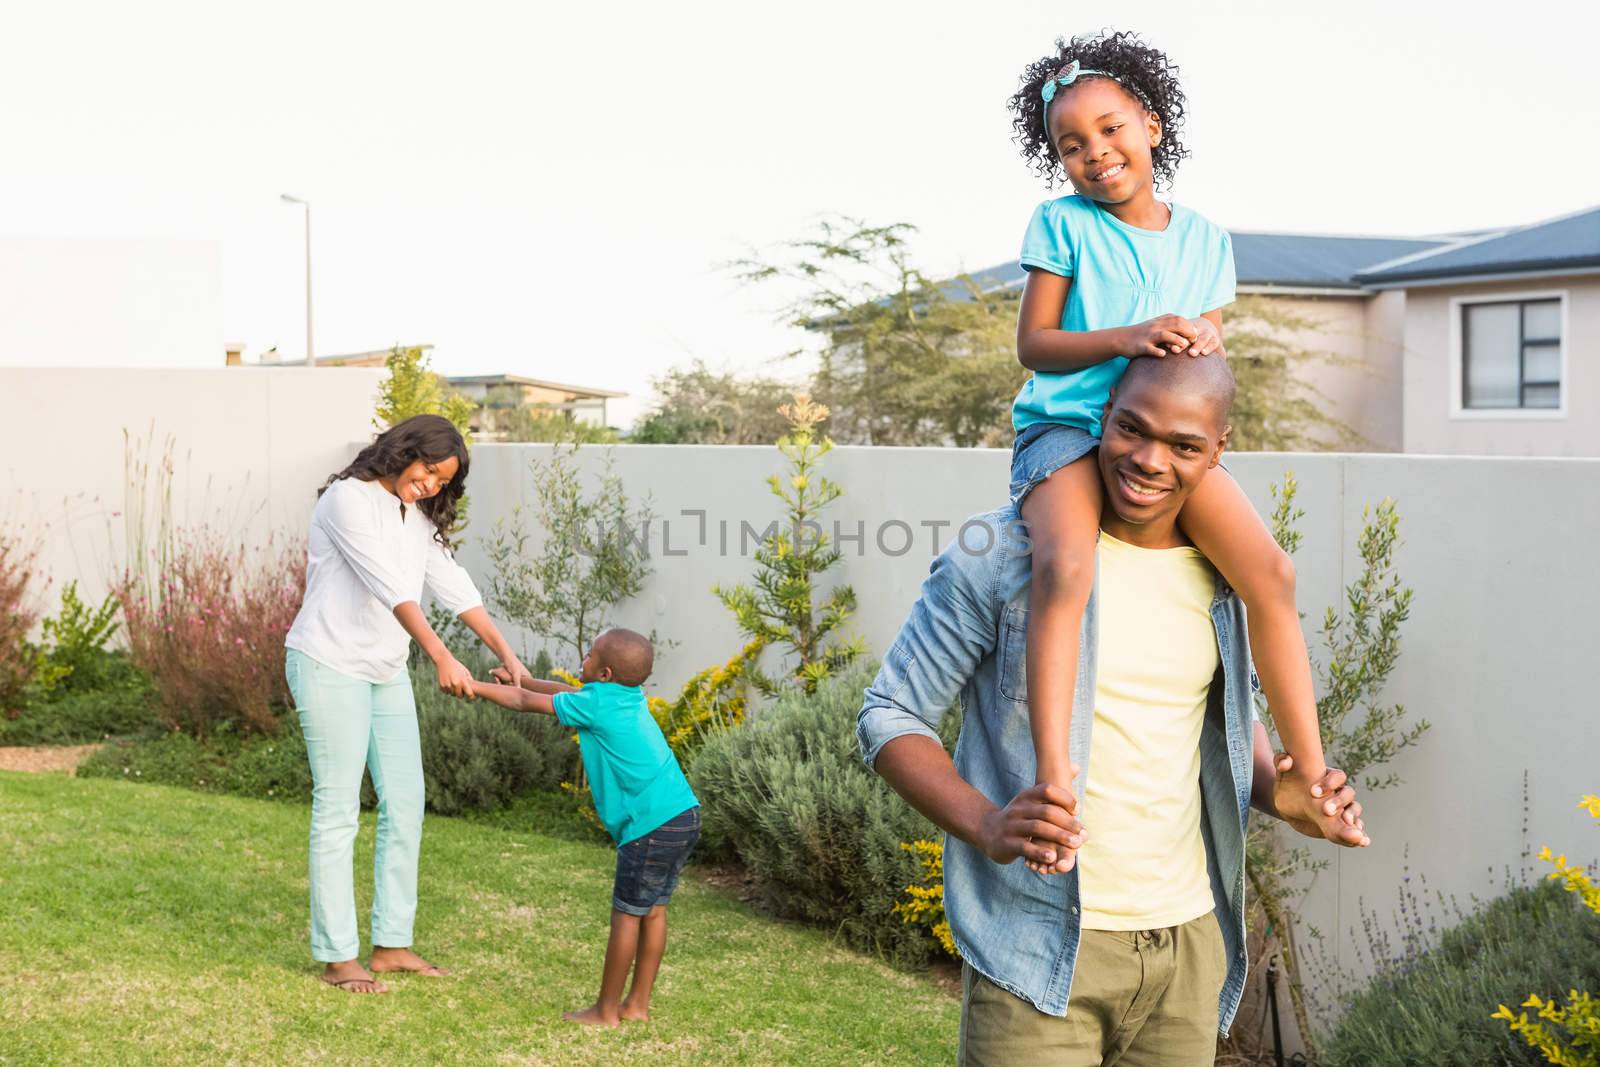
[144,924]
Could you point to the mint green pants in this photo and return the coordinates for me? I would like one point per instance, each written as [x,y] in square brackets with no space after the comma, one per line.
[351,724]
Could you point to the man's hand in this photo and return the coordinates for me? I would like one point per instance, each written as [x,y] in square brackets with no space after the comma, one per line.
[1326,808]
[1163,335]
[1207,341]
[1039,825]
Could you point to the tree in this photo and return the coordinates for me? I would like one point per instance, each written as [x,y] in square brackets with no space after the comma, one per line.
[530,425]
[1277,409]
[412,389]
[903,360]
[594,555]
[699,406]
[780,607]
[1360,731]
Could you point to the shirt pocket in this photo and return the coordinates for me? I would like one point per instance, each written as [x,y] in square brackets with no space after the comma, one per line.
[1014,655]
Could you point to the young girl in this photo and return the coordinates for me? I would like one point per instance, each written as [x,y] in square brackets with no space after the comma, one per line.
[1114,273]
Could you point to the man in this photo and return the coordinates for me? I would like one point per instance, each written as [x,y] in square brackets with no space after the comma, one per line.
[1137,955]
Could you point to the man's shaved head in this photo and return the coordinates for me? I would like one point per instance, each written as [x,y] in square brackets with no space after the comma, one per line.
[630,655]
[1197,376]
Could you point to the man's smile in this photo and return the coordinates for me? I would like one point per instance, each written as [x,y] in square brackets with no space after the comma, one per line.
[1138,491]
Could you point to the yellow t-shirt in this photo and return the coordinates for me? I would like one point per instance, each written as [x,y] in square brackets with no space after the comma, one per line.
[1144,865]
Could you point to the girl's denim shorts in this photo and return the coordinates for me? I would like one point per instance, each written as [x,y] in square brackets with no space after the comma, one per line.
[648,866]
[1042,449]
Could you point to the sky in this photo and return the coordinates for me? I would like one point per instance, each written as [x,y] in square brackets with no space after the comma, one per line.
[556,190]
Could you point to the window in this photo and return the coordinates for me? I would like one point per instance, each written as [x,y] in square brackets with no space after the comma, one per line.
[1511,355]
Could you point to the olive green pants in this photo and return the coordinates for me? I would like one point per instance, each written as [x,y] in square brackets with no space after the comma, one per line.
[1142,998]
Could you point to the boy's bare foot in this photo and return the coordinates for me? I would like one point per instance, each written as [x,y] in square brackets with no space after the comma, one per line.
[351,977]
[403,959]
[591,1016]
[633,1014]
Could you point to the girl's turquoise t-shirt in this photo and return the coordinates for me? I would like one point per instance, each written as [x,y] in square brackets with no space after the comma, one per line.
[635,778]
[1121,275]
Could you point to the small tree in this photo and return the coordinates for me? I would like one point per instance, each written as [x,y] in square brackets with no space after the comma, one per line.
[1580,1016]
[1361,647]
[780,607]
[594,555]
[412,389]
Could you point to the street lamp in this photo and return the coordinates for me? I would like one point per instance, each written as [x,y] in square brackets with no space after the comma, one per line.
[311,359]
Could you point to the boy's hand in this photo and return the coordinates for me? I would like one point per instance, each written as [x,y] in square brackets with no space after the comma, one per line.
[503,676]
[1163,335]
[1038,825]
[1207,340]
[1325,808]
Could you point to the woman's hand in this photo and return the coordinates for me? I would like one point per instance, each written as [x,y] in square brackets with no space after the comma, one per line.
[515,672]
[453,677]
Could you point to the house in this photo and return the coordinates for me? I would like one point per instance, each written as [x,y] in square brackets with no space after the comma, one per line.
[1451,344]
[491,393]
[1501,340]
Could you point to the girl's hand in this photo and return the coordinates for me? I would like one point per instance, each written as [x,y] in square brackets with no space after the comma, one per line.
[1207,340]
[453,677]
[1163,335]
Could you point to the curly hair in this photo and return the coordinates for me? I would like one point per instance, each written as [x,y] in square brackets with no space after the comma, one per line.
[430,438]
[1143,71]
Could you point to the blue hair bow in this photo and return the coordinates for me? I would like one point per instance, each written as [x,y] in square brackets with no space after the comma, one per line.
[1065,77]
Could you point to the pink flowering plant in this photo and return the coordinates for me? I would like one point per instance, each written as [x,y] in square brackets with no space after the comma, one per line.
[208,626]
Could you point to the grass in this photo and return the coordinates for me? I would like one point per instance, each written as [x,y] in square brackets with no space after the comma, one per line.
[146,924]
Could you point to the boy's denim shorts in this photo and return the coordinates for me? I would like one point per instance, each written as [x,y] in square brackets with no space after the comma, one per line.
[648,866]
[1042,449]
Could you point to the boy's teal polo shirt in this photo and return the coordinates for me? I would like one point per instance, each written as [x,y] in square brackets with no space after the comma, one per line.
[635,778]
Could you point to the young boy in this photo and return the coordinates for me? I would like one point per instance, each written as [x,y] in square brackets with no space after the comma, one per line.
[641,795]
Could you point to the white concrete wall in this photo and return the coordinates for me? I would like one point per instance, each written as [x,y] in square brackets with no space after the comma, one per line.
[251,446]
[110,303]
[1431,350]
[1498,653]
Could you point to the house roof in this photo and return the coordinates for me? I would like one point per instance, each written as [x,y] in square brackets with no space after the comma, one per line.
[1291,260]
[1570,242]
[539,383]
[1319,261]
[1362,262]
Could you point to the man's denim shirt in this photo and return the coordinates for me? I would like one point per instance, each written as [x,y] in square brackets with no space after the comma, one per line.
[967,637]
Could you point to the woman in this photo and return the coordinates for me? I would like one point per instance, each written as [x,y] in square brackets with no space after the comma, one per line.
[377,536]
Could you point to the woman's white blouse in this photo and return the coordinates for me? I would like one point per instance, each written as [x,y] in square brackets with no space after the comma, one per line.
[362,560]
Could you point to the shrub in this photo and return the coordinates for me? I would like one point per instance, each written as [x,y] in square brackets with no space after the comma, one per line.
[1429,1002]
[819,831]
[124,705]
[479,757]
[714,700]
[209,630]
[21,664]
[76,640]
[1579,1017]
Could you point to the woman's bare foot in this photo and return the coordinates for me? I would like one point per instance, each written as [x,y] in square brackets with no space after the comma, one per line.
[351,977]
[403,959]
[628,1012]
[591,1016]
